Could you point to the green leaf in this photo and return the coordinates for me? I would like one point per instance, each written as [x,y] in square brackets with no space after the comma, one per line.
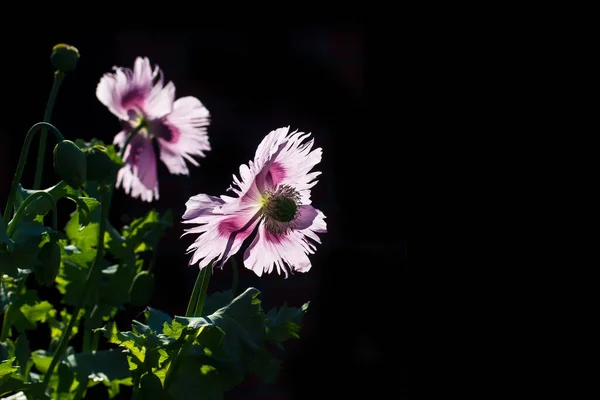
[103,365]
[242,320]
[88,210]
[41,360]
[6,243]
[217,300]
[144,233]
[157,319]
[22,352]
[285,323]
[6,367]
[28,236]
[130,341]
[192,380]
[66,380]
[85,238]
[36,312]
[151,388]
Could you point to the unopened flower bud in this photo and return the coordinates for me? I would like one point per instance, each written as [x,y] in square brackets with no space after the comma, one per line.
[64,57]
[46,271]
[99,164]
[141,289]
[70,163]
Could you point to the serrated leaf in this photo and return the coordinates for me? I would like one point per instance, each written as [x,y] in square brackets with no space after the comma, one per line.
[6,367]
[156,319]
[88,210]
[85,239]
[285,323]
[242,320]
[127,340]
[191,380]
[144,233]
[36,312]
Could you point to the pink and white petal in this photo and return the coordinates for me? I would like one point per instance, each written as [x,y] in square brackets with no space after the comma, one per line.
[220,235]
[119,139]
[289,251]
[293,163]
[268,250]
[159,101]
[187,137]
[198,206]
[138,176]
[110,91]
[125,89]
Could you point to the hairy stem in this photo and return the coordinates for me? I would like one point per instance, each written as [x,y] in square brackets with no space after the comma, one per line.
[39,169]
[21,166]
[12,226]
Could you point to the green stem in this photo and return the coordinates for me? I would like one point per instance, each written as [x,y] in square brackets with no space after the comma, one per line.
[236,274]
[64,339]
[87,329]
[130,136]
[206,272]
[95,341]
[21,166]
[15,221]
[39,169]
[200,287]
[194,297]
[87,339]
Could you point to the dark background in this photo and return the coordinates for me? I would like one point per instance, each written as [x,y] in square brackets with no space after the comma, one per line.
[311,78]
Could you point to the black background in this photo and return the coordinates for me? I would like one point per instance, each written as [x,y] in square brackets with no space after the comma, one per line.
[311,78]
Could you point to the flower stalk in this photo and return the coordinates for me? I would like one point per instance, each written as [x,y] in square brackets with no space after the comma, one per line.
[22,162]
[39,169]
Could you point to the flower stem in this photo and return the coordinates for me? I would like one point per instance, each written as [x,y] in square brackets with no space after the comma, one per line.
[62,344]
[39,169]
[12,226]
[130,136]
[196,303]
[21,166]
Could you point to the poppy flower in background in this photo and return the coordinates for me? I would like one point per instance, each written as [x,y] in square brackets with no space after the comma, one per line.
[139,97]
[273,198]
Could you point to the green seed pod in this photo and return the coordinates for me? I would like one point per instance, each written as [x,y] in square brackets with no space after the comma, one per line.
[141,289]
[99,164]
[70,163]
[46,271]
[64,57]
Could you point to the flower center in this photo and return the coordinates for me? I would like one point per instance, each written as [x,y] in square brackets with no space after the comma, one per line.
[280,208]
[136,118]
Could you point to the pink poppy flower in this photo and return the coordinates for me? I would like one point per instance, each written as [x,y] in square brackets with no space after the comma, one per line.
[137,97]
[273,198]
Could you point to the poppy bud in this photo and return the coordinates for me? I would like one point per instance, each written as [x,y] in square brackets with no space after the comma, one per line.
[70,163]
[64,57]
[141,289]
[47,269]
